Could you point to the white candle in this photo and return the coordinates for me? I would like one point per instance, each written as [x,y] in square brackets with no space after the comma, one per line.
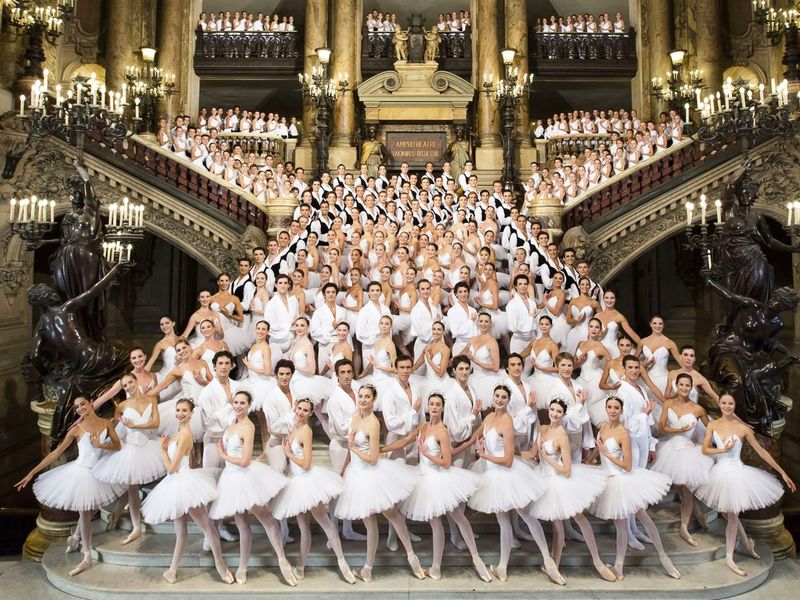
[697,93]
[761,93]
[703,206]
[80,92]
[13,207]
[124,92]
[136,107]
[23,209]
[708,256]
[140,221]
[34,207]
[58,95]
[112,213]
[718,206]
[744,99]
[22,105]
[789,206]
[686,107]
[103,96]
[111,101]
[772,86]
[689,210]
[130,247]
[52,211]
[796,212]
[46,74]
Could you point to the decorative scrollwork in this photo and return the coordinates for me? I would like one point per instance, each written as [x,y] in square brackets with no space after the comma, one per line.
[392,82]
[439,82]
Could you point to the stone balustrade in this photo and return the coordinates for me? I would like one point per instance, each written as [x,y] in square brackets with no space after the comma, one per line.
[587,54]
[268,52]
[260,144]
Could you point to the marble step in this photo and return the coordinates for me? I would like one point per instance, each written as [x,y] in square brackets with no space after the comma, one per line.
[156,551]
[704,581]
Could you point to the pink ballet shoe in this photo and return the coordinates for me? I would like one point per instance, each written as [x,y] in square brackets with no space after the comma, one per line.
[364,574]
[82,566]
[132,537]
[170,576]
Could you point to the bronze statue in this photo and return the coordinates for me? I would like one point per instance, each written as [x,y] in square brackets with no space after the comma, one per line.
[66,356]
[457,153]
[373,152]
[743,237]
[78,263]
[746,359]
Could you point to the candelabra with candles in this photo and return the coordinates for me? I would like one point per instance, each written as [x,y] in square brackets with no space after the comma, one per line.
[508,92]
[777,25]
[32,219]
[39,23]
[125,227]
[147,86]
[700,238]
[736,114]
[71,113]
[323,92]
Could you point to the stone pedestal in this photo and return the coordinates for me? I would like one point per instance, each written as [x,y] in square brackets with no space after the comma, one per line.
[549,213]
[51,525]
[279,214]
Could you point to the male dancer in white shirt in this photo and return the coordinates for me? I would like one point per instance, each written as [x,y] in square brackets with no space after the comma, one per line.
[423,315]
[367,330]
[521,311]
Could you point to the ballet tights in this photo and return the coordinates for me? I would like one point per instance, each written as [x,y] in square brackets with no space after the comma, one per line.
[85,533]
[397,521]
[652,532]
[245,540]
[506,536]
[321,516]
[687,506]
[199,516]
[437,528]
[733,529]
[135,507]
[272,528]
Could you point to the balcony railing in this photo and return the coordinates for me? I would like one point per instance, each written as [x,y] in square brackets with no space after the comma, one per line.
[564,145]
[260,144]
[141,156]
[268,52]
[455,52]
[593,54]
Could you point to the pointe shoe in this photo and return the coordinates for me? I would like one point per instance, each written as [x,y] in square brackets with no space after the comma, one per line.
[113,520]
[641,537]
[480,567]
[435,575]
[286,572]
[391,542]
[353,536]
[416,568]
[82,566]
[299,573]
[501,576]
[523,535]
[551,570]
[734,567]
[750,545]
[618,572]
[206,545]
[223,572]
[241,576]
[515,543]
[170,576]
[687,537]
[364,574]
[347,574]
[132,537]
[605,572]
[414,537]
[458,543]
[73,542]
[571,534]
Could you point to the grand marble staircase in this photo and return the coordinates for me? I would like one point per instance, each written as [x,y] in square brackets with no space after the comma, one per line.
[134,571]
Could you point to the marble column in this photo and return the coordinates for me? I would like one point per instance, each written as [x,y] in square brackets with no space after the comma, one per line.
[660,44]
[119,42]
[346,45]
[172,19]
[709,42]
[316,36]
[517,38]
[489,155]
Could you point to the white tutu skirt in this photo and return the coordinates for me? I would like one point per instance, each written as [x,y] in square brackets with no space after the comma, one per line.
[315,387]
[401,326]
[74,487]
[259,387]
[736,487]
[240,489]
[168,424]
[505,488]
[597,408]
[542,384]
[306,490]
[579,333]
[683,462]
[439,491]
[238,339]
[371,489]
[565,497]
[177,493]
[628,493]
[133,464]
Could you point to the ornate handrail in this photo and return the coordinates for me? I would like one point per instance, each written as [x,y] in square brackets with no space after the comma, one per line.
[260,144]
[183,175]
[452,44]
[633,183]
[246,44]
[598,53]
[564,145]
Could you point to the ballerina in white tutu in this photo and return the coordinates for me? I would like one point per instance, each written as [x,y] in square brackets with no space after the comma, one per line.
[246,486]
[184,492]
[570,488]
[484,352]
[680,457]
[308,492]
[192,331]
[259,380]
[73,486]
[165,348]
[629,489]
[732,486]
[139,460]
[430,368]
[374,485]
[305,381]
[442,488]
[508,484]
[543,352]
